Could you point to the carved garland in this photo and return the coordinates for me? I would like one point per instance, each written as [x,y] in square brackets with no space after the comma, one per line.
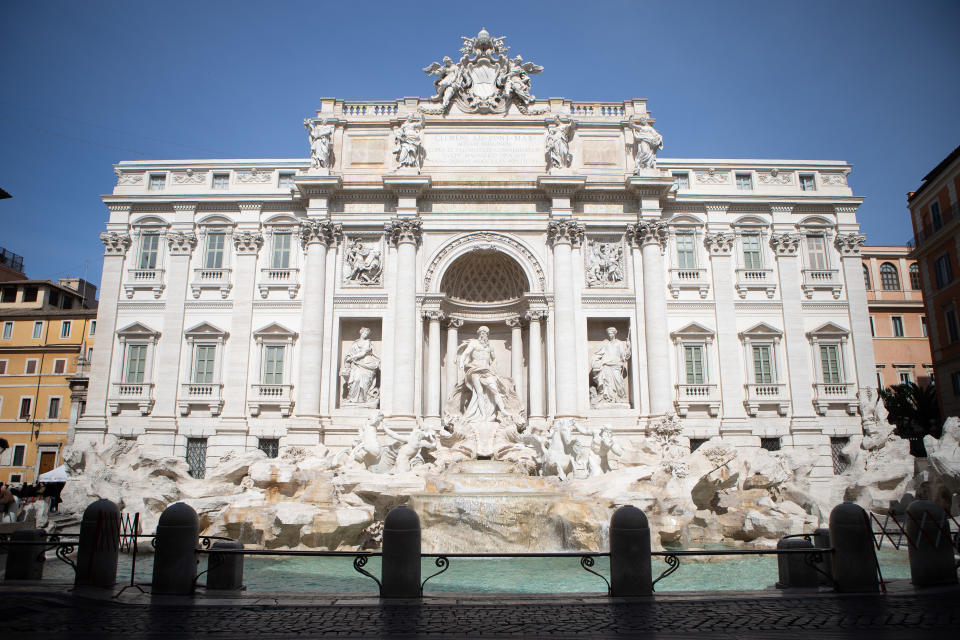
[483,240]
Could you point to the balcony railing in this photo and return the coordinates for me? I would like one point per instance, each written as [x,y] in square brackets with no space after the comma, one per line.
[200,393]
[211,279]
[825,279]
[271,395]
[689,279]
[766,394]
[151,279]
[279,278]
[756,279]
[835,393]
[697,395]
[131,393]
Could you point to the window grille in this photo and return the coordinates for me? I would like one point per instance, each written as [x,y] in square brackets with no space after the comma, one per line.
[197,457]
[270,446]
[840,461]
[770,444]
[696,443]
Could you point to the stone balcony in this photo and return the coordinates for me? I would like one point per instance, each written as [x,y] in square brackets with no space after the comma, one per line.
[139,394]
[766,394]
[285,278]
[756,280]
[696,279]
[823,280]
[271,395]
[697,396]
[840,394]
[147,279]
[210,279]
[205,394]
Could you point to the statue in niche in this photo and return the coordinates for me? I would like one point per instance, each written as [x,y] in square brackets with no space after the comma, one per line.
[604,264]
[408,142]
[608,372]
[558,144]
[359,373]
[321,146]
[363,264]
[648,140]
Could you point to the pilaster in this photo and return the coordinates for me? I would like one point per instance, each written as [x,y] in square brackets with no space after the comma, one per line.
[247,244]
[563,234]
[404,233]
[848,244]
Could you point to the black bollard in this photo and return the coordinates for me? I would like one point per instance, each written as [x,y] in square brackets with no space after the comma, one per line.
[854,558]
[821,540]
[630,572]
[400,572]
[175,560]
[99,545]
[931,548]
[25,562]
[225,570]
[796,569]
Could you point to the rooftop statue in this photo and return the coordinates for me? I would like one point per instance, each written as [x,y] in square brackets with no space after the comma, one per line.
[485,80]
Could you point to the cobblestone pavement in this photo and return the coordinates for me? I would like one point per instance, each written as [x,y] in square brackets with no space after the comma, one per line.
[41,614]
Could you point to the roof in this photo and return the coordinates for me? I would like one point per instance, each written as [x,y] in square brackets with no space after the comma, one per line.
[50,283]
[48,313]
[934,174]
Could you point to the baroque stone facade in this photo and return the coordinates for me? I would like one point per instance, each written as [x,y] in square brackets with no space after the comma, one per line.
[278,303]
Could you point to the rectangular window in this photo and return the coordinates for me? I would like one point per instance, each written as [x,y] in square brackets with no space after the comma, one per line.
[955,379]
[762,364]
[686,251]
[7,330]
[873,329]
[37,330]
[942,270]
[93,327]
[270,446]
[197,457]
[905,377]
[149,246]
[25,405]
[693,363]
[936,218]
[840,461]
[807,182]
[65,329]
[157,181]
[59,365]
[817,252]
[770,444]
[953,330]
[830,363]
[136,363]
[879,379]
[3,367]
[30,367]
[53,299]
[281,251]
[19,450]
[744,181]
[286,181]
[923,325]
[53,410]
[752,256]
[215,245]
[221,180]
[897,326]
[203,362]
[8,294]
[696,443]
[273,365]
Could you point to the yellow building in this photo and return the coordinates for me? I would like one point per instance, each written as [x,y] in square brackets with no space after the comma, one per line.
[46,340]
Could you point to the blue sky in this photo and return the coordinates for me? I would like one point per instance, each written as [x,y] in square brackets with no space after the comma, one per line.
[87,84]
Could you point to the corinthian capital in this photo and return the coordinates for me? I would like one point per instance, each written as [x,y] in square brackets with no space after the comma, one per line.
[181,243]
[248,242]
[565,231]
[719,244]
[785,244]
[115,244]
[849,244]
[322,231]
[648,232]
[404,230]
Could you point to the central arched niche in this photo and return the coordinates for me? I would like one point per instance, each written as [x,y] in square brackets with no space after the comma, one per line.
[484,276]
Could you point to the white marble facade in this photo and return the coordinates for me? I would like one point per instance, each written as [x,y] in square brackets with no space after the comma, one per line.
[237,289]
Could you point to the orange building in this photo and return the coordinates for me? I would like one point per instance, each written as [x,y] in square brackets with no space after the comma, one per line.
[935,214]
[898,319]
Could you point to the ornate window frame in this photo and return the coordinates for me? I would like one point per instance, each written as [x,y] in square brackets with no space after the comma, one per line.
[151,279]
[696,278]
[280,277]
[278,395]
[213,278]
[831,393]
[826,278]
[202,393]
[122,391]
[761,393]
[754,279]
[690,395]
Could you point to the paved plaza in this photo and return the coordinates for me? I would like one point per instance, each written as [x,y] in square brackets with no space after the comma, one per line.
[47,612]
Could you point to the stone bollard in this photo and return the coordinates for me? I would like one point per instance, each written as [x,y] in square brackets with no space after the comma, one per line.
[400,572]
[821,540]
[175,560]
[99,546]
[225,570]
[796,569]
[854,559]
[630,572]
[25,562]
[931,548]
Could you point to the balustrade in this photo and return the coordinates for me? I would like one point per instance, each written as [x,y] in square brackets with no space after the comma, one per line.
[211,279]
[771,394]
[756,279]
[131,393]
[279,278]
[272,395]
[597,110]
[688,279]
[826,279]
[697,395]
[151,279]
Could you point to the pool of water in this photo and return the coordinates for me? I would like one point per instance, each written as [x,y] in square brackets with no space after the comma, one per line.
[508,575]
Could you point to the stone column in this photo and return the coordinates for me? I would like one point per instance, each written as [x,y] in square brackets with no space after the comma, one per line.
[404,234]
[246,246]
[848,244]
[516,355]
[433,363]
[316,236]
[651,236]
[720,249]
[535,369]
[453,371]
[563,234]
[115,247]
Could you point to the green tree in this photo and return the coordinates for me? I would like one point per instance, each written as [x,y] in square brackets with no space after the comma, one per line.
[915,412]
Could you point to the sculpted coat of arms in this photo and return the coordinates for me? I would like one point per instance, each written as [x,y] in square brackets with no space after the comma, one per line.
[486,80]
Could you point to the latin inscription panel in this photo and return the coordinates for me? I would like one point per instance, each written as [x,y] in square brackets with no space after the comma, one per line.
[484,149]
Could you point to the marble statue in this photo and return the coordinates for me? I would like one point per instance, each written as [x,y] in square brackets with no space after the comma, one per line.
[558,144]
[449,80]
[604,264]
[608,372]
[360,368]
[408,142]
[602,445]
[410,449]
[872,410]
[364,264]
[321,146]
[554,449]
[366,449]
[483,395]
[648,140]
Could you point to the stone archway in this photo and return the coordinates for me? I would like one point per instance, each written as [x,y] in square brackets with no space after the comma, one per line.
[481,241]
[484,276]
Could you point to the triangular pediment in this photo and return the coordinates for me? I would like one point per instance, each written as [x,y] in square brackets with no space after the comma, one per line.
[274,330]
[205,330]
[761,330]
[828,330]
[692,331]
[137,330]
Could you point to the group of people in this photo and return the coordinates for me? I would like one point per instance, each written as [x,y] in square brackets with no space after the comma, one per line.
[13,497]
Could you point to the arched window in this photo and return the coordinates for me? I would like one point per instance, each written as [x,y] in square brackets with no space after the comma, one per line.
[915,276]
[866,277]
[889,278]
